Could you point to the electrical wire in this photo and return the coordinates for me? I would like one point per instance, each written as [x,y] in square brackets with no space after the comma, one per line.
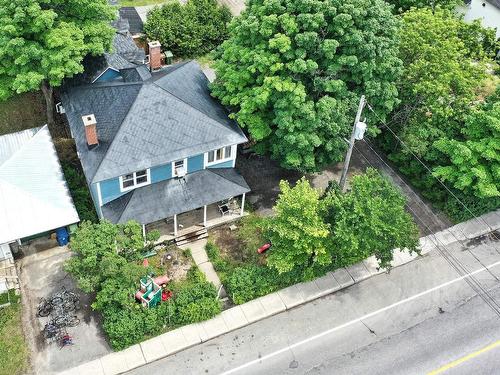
[430,171]
[458,266]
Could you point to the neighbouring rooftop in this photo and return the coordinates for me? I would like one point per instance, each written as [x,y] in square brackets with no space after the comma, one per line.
[34,197]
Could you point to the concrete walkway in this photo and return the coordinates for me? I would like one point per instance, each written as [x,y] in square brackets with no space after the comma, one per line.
[200,258]
[242,315]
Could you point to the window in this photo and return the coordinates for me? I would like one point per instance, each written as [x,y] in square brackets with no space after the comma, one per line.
[135,179]
[219,155]
[179,168]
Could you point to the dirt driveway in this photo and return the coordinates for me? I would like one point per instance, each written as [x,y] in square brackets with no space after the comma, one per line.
[41,274]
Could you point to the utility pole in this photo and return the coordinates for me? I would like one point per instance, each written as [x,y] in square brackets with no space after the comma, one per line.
[351,144]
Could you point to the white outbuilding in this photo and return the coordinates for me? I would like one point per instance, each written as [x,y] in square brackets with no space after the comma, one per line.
[34,197]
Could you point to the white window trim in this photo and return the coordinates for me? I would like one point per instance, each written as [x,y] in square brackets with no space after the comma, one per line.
[223,160]
[148,174]
[173,166]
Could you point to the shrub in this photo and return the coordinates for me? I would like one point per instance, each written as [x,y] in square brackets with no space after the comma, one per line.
[80,193]
[251,281]
[188,30]
[126,327]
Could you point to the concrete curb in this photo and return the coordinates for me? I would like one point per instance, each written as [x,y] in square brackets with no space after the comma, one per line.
[242,315]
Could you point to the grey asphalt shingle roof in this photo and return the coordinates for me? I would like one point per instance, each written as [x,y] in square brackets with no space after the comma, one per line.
[144,124]
[177,196]
[135,22]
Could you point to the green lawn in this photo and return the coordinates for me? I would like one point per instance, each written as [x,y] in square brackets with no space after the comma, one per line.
[139,3]
[22,112]
[13,349]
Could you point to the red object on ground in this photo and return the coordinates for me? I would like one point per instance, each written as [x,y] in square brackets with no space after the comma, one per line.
[138,295]
[264,248]
[165,295]
[145,262]
[161,280]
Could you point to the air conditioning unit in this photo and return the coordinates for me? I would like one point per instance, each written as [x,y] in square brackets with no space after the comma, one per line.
[180,172]
[60,108]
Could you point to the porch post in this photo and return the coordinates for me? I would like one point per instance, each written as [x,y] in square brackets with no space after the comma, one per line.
[175,225]
[205,216]
[242,204]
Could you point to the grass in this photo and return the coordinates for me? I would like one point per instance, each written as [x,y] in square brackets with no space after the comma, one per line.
[9,296]
[22,112]
[139,3]
[13,348]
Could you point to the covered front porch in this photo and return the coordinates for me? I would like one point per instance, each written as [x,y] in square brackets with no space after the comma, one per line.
[179,206]
[205,217]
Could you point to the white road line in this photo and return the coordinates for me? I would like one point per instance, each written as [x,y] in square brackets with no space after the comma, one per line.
[357,320]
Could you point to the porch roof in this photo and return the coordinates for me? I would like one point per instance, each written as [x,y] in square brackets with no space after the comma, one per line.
[175,196]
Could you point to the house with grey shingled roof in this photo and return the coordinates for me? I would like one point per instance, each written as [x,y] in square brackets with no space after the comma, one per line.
[154,145]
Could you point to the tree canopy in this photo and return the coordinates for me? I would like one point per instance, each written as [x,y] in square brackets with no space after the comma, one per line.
[42,42]
[310,233]
[401,6]
[474,161]
[101,247]
[444,79]
[369,219]
[297,231]
[192,29]
[293,72]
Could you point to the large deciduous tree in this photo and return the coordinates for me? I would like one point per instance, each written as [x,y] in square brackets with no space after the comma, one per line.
[443,81]
[401,6]
[42,42]
[369,219]
[474,160]
[297,231]
[293,72]
[192,29]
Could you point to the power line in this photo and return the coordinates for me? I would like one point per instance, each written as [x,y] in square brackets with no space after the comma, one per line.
[430,171]
[451,259]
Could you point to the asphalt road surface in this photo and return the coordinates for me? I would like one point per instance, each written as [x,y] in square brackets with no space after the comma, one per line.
[422,318]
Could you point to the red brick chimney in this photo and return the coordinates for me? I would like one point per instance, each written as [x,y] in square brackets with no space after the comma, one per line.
[90,130]
[154,55]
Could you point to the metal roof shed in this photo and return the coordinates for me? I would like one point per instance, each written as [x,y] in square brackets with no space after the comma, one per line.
[34,197]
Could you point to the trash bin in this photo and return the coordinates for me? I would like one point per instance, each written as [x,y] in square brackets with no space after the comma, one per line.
[62,236]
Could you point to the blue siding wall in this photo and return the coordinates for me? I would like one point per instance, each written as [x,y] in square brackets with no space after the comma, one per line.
[108,75]
[110,190]
[160,173]
[225,164]
[195,163]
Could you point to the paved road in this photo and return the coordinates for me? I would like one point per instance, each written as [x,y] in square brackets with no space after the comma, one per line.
[415,320]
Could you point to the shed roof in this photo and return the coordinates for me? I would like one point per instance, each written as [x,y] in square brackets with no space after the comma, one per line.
[34,197]
[142,124]
[174,196]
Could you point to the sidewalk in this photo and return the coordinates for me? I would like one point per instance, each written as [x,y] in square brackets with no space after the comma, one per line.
[274,303]
[200,258]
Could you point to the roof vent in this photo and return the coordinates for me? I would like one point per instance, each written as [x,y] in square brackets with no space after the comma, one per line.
[90,124]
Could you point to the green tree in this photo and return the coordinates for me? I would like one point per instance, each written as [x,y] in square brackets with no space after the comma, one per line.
[42,42]
[439,81]
[474,161]
[192,29]
[401,6]
[369,219]
[101,247]
[297,231]
[444,79]
[293,72]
